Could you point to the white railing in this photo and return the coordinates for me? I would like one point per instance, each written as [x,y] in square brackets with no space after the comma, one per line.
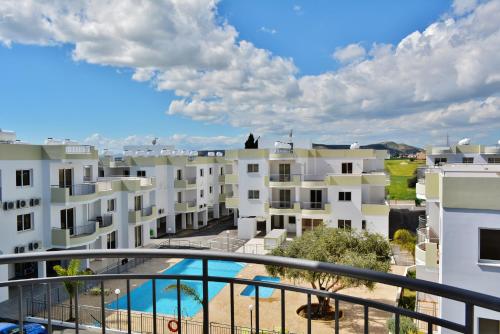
[77,149]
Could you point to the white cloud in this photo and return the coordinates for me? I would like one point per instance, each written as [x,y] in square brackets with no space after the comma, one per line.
[181,141]
[267,30]
[461,7]
[349,53]
[444,77]
[297,9]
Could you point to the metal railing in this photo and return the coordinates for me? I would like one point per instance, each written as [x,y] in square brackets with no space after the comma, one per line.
[282,177]
[281,204]
[466,325]
[148,211]
[312,205]
[105,220]
[79,189]
[79,230]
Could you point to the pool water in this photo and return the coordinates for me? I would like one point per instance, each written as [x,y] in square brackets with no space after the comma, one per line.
[263,291]
[166,301]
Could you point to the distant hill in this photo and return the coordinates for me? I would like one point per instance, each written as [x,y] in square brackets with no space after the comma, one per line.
[393,148]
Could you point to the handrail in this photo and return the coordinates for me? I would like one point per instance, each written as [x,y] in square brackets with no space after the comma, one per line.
[466,296]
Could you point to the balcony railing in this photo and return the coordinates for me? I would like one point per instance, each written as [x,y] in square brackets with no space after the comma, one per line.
[312,205]
[283,177]
[108,320]
[79,189]
[281,204]
[79,230]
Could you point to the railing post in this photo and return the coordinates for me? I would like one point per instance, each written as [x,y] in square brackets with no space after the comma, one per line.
[48,306]
[337,328]
[20,315]
[366,319]
[232,305]
[282,311]
[469,318]
[257,325]
[205,297]
[77,329]
[129,315]
[179,310]
[154,304]
[103,310]
[309,329]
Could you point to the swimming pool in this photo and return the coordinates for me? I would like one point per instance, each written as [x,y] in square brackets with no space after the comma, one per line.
[166,301]
[263,291]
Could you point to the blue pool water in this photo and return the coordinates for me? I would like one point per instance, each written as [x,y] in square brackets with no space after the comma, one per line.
[263,292]
[166,301]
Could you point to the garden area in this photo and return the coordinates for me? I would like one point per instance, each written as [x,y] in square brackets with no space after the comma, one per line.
[401,172]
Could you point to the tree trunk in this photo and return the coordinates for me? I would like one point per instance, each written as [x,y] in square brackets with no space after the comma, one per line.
[323,305]
[70,308]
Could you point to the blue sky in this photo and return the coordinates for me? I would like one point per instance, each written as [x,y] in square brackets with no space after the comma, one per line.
[58,83]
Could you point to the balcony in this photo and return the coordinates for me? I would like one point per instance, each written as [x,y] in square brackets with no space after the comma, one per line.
[188,183]
[380,209]
[143,215]
[426,254]
[315,208]
[223,196]
[313,181]
[222,178]
[284,180]
[284,207]
[80,192]
[125,319]
[231,179]
[232,202]
[188,206]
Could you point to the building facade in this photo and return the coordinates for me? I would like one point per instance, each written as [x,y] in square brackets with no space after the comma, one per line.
[459,239]
[305,188]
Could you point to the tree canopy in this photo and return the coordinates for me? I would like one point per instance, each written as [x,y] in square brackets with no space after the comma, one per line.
[346,247]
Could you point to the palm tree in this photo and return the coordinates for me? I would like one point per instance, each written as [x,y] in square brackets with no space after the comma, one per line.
[71,287]
[187,290]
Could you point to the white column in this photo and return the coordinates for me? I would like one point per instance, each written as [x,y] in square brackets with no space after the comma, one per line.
[4,276]
[268,224]
[235,216]
[216,211]
[42,269]
[298,226]
[86,262]
[195,220]
[183,221]
[205,218]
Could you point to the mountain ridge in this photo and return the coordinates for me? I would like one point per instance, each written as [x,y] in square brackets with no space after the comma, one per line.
[394,149]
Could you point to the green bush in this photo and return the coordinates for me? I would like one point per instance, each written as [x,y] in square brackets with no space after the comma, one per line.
[405,239]
[406,326]
[411,274]
[411,182]
[408,300]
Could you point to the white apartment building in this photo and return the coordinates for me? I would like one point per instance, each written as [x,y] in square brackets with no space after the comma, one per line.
[62,196]
[460,244]
[300,189]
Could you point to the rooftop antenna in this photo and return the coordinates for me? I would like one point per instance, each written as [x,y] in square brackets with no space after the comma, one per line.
[447,139]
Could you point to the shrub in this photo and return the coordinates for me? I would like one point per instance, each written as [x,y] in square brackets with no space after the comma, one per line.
[411,182]
[405,239]
[406,326]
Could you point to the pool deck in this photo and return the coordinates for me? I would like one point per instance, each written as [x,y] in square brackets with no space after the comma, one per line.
[352,322]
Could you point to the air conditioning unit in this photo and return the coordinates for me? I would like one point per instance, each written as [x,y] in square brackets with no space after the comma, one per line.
[161,211]
[34,246]
[34,201]
[21,203]
[19,249]
[8,205]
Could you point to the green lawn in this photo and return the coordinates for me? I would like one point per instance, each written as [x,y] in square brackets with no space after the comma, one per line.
[401,170]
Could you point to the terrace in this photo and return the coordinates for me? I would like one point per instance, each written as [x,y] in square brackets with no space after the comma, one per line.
[227,312]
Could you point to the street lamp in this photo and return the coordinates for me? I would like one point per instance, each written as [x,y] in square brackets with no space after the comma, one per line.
[250,308]
[117,294]
[227,235]
[169,234]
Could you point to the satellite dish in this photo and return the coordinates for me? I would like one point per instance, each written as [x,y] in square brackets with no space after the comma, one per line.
[498,142]
[464,141]
[354,146]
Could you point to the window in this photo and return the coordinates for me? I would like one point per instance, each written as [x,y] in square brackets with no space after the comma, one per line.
[344,196]
[111,240]
[347,168]
[467,160]
[87,173]
[253,194]
[440,161]
[489,326]
[222,189]
[179,174]
[111,205]
[68,220]
[344,223]
[201,172]
[291,220]
[252,168]
[138,236]
[137,203]
[24,222]
[23,177]
[489,247]
[201,193]
[494,160]
[101,172]
[141,173]
[210,189]
[363,224]
[210,171]
[179,197]
[222,171]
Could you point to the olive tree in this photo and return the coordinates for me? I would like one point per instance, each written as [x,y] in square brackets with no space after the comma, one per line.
[346,247]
